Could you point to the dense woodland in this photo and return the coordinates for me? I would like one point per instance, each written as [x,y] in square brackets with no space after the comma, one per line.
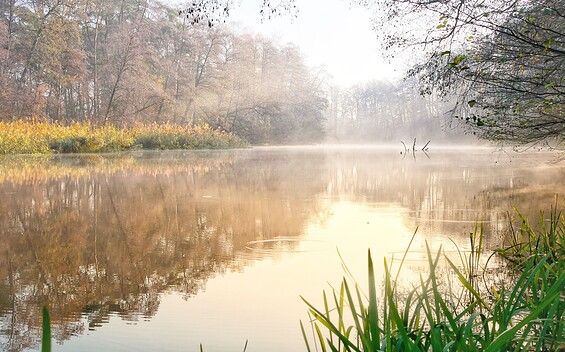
[135,61]
[141,61]
[496,69]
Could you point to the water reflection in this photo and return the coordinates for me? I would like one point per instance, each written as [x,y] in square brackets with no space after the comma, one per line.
[86,239]
[101,236]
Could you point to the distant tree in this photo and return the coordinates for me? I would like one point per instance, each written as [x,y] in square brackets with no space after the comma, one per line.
[379,112]
[59,63]
[6,79]
[28,32]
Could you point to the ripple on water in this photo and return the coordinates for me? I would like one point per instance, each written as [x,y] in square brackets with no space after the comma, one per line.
[285,244]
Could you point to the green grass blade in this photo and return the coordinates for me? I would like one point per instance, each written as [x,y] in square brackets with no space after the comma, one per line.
[320,338]
[327,311]
[508,335]
[440,302]
[304,337]
[522,285]
[373,318]
[46,331]
[394,314]
[404,257]
[467,284]
[319,316]
[355,315]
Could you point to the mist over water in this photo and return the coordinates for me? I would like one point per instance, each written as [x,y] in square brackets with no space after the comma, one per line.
[167,250]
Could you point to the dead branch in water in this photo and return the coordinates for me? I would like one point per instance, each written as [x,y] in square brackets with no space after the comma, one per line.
[424,148]
[405,148]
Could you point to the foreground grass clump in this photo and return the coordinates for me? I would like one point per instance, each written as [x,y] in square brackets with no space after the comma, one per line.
[526,314]
[25,137]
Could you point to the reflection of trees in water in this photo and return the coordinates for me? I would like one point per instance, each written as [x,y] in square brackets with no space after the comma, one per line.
[102,236]
[104,243]
[448,192]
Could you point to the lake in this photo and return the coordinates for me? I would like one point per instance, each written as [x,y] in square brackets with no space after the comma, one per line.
[164,251]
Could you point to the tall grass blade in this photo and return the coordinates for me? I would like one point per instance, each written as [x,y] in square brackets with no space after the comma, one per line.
[393,310]
[320,338]
[355,315]
[373,319]
[305,337]
[508,335]
[319,316]
[404,257]
[46,331]
[467,284]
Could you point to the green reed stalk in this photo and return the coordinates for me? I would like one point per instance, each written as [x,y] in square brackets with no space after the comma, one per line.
[528,315]
[46,331]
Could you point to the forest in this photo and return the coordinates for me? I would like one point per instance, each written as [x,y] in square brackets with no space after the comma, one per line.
[134,61]
[129,62]
[495,71]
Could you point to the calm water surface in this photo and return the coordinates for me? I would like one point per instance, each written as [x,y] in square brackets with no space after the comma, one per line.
[162,251]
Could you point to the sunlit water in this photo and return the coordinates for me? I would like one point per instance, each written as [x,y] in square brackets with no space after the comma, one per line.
[164,251]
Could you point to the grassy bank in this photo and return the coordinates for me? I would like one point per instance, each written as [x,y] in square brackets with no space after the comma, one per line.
[23,137]
[522,312]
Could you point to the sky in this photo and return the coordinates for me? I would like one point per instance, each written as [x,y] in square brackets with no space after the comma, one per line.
[332,33]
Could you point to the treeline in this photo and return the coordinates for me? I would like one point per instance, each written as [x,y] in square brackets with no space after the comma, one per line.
[139,61]
[386,112]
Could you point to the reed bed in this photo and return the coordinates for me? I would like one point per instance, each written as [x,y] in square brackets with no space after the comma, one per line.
[168,136]
[525,314]
[29,137]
